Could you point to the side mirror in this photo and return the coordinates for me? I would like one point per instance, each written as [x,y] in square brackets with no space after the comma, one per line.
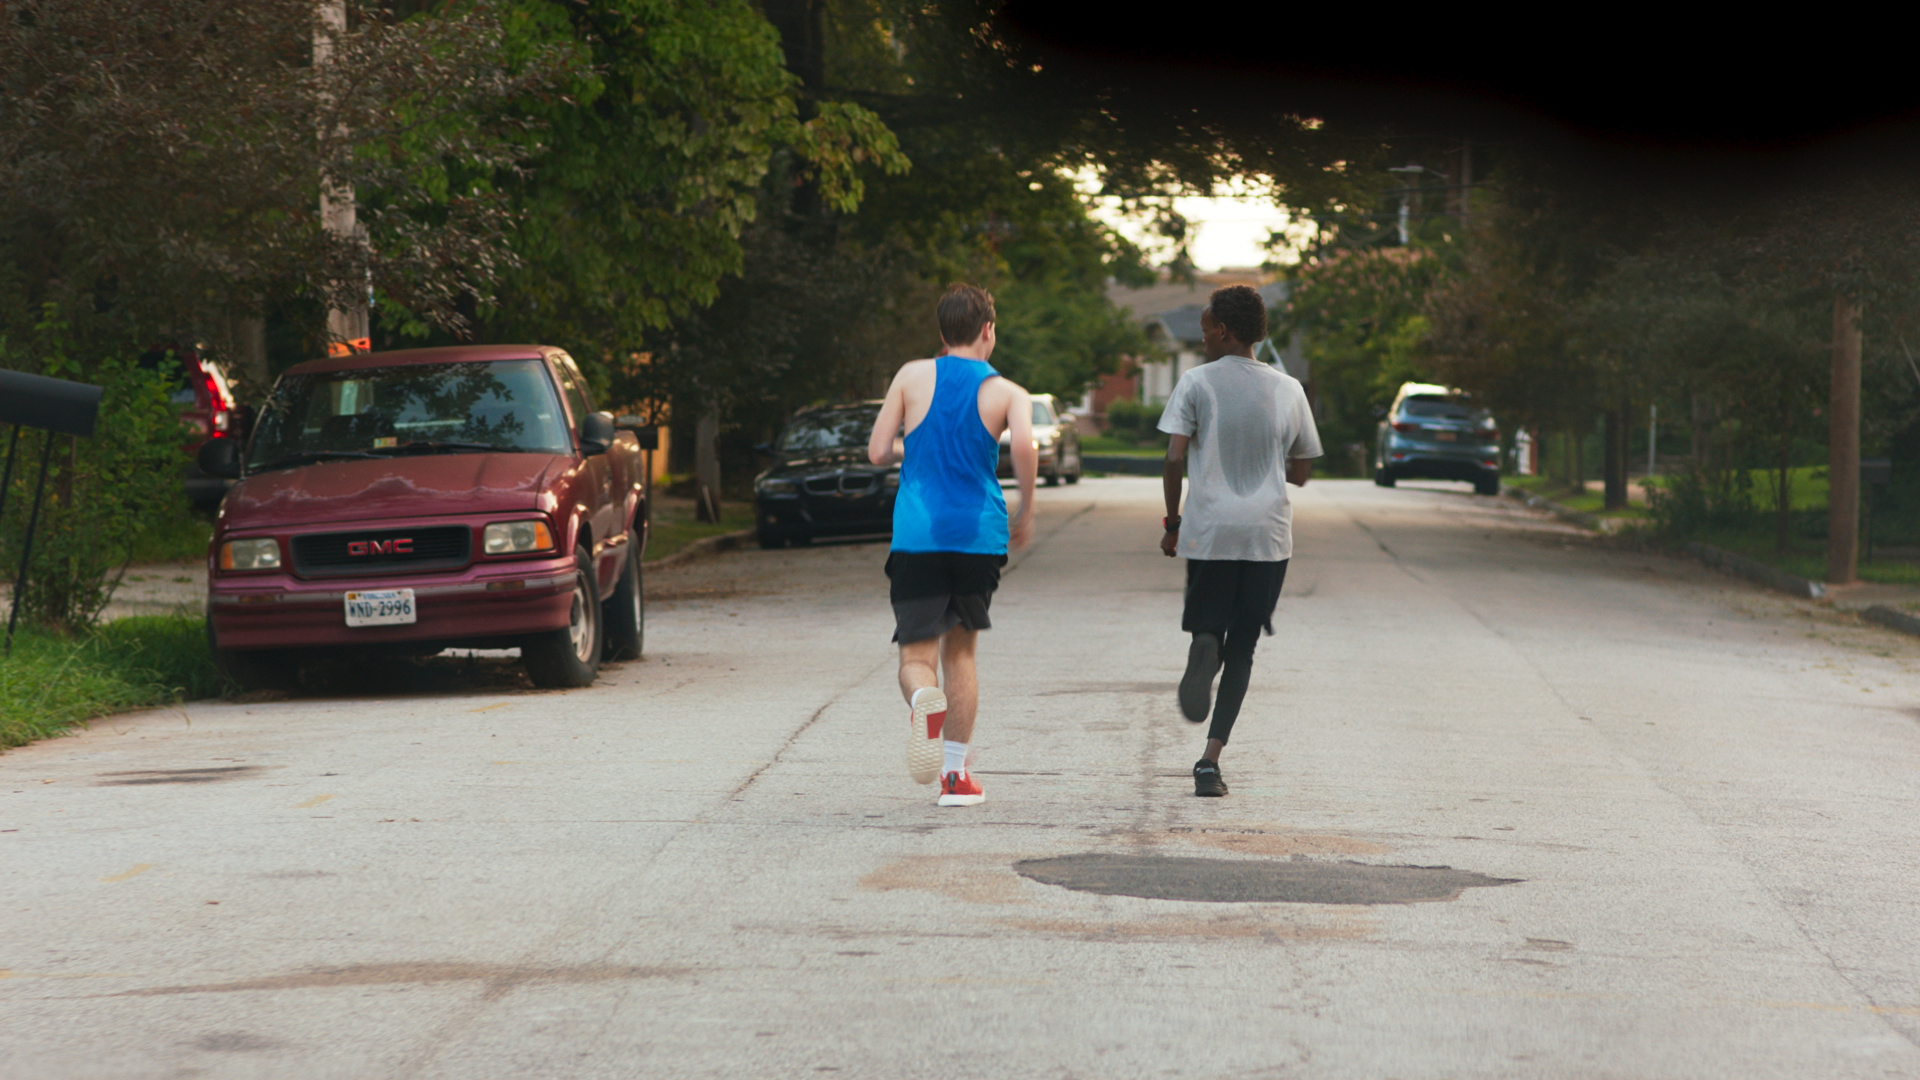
[220,458]
[764,449]
[647,434]
[596,433]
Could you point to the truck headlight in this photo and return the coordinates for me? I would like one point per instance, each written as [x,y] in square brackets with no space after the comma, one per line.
[513,537]
[262,554]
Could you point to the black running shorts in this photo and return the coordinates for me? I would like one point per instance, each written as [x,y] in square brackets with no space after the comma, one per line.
[935,591]
[1224,594]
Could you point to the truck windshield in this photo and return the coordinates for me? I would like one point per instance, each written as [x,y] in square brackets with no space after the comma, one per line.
[828,430]
[506,405]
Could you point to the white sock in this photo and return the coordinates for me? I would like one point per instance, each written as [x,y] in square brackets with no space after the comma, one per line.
[956,757]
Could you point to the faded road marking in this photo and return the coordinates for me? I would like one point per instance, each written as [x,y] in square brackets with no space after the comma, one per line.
[135,871]
[313,802]
[499,978]
[977,879]
[490,708]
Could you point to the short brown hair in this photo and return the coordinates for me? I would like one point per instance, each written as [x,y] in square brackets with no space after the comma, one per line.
[964,313]
[1240,309]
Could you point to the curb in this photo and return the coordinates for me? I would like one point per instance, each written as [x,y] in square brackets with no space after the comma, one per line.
[1892,618]
[700,549]
[1770,576]
[1124,464]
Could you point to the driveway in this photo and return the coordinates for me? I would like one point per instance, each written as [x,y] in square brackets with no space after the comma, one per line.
[1505,804]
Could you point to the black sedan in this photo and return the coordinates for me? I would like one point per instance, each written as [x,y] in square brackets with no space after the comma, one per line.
[821,483]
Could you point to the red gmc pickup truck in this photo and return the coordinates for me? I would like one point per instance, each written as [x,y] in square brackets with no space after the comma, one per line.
[415,500]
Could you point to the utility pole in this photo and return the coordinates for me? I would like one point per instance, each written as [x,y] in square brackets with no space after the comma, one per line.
[1843,446]
[347,329]
[1466,182]
[1411,172]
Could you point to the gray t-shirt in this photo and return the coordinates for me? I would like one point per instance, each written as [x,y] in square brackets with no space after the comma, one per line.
[1245,419]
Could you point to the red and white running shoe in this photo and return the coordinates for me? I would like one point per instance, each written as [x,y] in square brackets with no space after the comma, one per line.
[924,750]
[960,789]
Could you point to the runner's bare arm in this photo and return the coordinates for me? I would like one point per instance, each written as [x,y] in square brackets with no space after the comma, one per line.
[1026,461]
[1172,475]
[1298,469]
[883,444]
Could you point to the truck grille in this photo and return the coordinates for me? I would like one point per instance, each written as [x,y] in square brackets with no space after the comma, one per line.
[382,551]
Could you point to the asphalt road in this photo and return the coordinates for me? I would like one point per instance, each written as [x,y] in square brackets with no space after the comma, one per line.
[1679,817]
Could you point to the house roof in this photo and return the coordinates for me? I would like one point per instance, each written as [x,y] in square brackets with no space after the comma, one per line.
[1182,323]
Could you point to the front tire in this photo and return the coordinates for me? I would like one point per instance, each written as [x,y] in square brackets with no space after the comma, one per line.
[625,614]
[1490,486]
[770,539]
[1384,477]
[570,656]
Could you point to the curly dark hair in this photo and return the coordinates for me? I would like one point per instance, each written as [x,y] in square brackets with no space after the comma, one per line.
[1240,309]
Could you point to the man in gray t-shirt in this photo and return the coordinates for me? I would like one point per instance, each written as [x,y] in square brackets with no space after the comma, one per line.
[1242,430]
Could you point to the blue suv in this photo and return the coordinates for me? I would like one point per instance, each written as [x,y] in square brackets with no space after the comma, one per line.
[1434,433]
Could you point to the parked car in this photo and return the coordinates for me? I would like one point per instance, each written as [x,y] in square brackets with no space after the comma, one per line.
[1435,433]
[1056,435]
[821,482]
[416,500]
[207,408]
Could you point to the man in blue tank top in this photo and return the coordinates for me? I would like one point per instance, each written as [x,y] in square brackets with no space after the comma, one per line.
[951,530]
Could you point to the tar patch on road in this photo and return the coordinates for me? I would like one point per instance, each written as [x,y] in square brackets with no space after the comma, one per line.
[1253,881]
[177,776]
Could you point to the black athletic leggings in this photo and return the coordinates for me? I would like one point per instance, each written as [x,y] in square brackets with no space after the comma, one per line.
[1234,600]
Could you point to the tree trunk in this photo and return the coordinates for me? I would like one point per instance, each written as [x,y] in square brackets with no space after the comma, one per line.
[706,468]
[1843,446]
[1615,465]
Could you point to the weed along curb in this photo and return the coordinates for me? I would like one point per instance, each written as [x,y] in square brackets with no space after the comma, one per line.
[1892,618]
[701,548]
[1564,513]
[1754,570]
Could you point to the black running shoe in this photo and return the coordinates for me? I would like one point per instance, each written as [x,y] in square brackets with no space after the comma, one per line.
[1207,781]
[1196,687]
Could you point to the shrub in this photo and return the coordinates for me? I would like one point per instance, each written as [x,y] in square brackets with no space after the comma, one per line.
[1692,502]
[1133,420]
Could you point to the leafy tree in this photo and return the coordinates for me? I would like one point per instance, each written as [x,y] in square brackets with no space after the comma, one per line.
[1362,314]
[654,161]
[161,160]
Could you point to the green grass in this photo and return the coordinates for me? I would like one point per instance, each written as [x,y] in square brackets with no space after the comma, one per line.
[1587,502]
[674,526]
[52,683]
[1806,558]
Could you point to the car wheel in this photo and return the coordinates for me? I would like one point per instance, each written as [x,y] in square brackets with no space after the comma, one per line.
[1053,478]
[569,656]
[253,669]
[799,539]
[625,614]
[771,539]
[1489,486]
[1384,477]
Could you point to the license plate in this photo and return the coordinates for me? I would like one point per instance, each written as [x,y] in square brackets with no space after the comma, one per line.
[1446,436]
[380,607]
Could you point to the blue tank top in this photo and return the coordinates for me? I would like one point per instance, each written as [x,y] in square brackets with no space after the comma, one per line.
[949,498]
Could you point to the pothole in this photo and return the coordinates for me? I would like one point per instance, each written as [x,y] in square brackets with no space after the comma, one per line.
[1253,881]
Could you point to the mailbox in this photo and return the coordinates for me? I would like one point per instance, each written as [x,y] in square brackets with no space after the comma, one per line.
[58,407]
